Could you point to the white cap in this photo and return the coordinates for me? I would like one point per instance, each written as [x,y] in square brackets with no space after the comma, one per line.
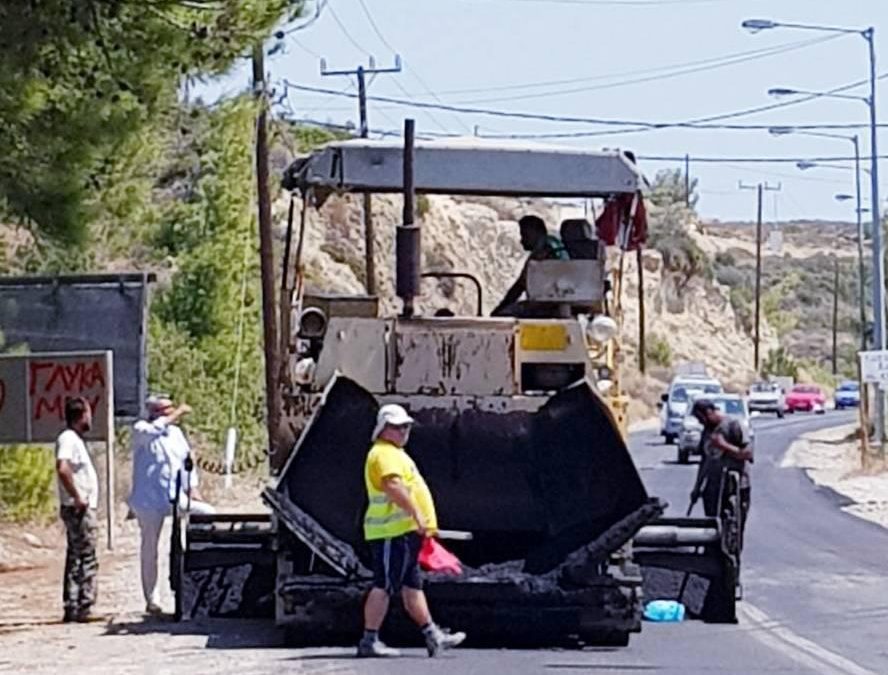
[157,401]
[390,415]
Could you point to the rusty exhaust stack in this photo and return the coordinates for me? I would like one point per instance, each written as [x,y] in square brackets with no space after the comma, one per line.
[408,248]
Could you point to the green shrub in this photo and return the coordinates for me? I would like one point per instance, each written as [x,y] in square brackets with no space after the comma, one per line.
[26,479]
[658,351]
[742,301]
[780,363]
[423,206]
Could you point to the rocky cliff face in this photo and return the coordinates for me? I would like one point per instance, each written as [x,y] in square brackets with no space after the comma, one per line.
[478,236]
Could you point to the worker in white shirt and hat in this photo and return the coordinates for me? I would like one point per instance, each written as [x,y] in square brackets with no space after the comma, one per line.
[162,474]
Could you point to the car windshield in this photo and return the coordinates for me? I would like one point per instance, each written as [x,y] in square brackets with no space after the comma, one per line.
[806,389]
[767,387]
[731,406]
[727,406]
[849,386]
[682,393]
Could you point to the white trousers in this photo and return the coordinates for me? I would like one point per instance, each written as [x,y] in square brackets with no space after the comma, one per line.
[150,526]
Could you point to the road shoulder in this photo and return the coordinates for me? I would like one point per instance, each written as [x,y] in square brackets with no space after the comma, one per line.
[831,459]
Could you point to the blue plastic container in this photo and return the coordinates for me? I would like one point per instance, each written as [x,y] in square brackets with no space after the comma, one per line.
[664,610]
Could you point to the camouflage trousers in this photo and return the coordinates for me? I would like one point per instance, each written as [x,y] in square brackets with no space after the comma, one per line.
[81,564]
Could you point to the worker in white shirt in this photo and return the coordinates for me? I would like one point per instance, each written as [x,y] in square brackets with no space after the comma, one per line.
[160,450]
[78,496]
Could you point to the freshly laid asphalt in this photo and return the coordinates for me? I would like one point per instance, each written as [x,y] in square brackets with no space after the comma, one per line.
[815,582]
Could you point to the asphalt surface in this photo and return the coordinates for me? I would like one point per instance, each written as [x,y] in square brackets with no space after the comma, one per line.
[814,578]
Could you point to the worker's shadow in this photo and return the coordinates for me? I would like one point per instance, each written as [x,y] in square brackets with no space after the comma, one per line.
[220,633]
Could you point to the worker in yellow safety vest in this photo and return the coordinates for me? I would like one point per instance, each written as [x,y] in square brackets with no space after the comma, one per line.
[400,514]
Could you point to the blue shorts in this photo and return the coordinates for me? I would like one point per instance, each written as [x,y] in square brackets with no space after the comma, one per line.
[396,562]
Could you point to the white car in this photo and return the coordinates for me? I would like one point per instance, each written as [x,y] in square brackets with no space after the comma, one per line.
[731,405]
[766,397]
[674,403]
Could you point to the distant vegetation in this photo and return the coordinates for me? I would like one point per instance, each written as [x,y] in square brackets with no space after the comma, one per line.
[668,224]
[797,299]
[780,364]
[658,351]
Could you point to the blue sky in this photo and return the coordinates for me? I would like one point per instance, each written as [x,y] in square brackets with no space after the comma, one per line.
[488,53]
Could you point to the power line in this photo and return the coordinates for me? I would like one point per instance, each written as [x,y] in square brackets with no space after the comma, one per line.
[727,160]
[749,160]
[619,3]
[319,9]
[635,72]
[713,65]
[304,48]
[639,125]
[345,31]
[415,75]
[375,28]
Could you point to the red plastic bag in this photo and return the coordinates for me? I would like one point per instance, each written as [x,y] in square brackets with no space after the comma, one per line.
[433,557]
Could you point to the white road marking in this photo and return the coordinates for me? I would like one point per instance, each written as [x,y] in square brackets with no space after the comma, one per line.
[799,649]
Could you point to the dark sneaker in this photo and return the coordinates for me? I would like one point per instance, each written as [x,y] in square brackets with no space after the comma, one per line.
[69,617]
[153,609]
[375,649]
[438,639]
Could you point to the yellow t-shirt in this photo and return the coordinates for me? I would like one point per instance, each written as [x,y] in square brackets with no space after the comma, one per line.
[384,518]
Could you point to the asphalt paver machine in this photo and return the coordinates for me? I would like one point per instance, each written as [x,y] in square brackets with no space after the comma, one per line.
[519,428]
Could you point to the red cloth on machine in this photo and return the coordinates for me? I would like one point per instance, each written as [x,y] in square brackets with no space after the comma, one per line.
[623,222]
[433,557]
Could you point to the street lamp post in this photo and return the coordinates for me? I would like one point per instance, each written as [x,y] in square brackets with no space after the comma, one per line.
[804,165]
[868,34]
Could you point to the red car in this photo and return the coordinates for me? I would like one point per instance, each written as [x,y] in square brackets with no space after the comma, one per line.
[805,397]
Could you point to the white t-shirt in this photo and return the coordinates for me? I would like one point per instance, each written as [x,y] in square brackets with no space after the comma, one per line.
[70,447]
[159,452]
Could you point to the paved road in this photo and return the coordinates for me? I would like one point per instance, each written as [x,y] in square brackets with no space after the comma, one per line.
[816,589]
[815,585]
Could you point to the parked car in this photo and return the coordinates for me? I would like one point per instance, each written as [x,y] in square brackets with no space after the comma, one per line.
[766,397]
[806,398]
[731,405]
[674,403]
[847,395]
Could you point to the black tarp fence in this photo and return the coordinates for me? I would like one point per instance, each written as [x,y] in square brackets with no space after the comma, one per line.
[83,312]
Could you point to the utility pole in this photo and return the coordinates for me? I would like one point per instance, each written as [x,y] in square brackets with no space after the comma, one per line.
[760,188]
[687,180]
[642,344]
[361,72]
[835,317]
[266,250]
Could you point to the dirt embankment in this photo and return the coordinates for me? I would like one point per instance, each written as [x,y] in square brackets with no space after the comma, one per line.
[832,458]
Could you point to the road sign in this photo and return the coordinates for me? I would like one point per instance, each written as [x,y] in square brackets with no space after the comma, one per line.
[874,367]
[33,391]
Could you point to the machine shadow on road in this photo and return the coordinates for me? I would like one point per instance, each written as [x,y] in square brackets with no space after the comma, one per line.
[220,633]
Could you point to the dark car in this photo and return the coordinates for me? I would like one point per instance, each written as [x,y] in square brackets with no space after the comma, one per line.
[847,395]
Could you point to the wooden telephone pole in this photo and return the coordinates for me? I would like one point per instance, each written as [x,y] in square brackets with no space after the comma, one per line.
[760,188]
[361,72]
[835,317]
[266,251]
